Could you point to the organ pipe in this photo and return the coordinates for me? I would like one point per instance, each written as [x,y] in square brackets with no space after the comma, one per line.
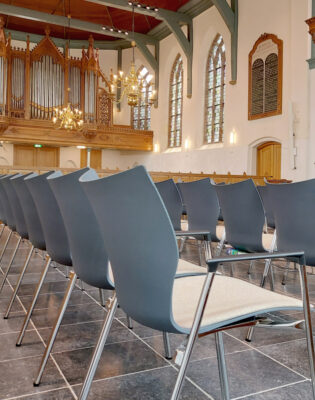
[33,82]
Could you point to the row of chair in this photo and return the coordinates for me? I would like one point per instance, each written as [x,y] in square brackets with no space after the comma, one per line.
[126,221]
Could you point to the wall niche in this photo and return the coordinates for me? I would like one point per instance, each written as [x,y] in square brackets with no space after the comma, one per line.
[265,66]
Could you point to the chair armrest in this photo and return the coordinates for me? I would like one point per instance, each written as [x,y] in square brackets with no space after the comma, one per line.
[205,234]
[215,261]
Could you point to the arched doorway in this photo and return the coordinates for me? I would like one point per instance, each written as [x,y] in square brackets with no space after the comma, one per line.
[269,159]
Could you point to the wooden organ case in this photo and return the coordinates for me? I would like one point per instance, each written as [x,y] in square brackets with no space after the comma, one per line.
[34,82]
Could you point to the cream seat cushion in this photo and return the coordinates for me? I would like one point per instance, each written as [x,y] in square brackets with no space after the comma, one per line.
[229,299]
[183,267]
[220,230]
[267,240]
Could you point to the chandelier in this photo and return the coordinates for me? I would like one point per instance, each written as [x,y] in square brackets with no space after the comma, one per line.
[68,117]
[132,85]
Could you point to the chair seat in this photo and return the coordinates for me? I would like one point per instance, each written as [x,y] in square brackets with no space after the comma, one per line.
[267,240]
[220,230]
[186,267]
[183,268]
[230,300]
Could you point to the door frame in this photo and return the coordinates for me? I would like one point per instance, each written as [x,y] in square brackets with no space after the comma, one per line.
[252,152]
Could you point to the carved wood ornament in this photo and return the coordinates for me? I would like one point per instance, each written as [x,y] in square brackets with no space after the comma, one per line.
[265,67]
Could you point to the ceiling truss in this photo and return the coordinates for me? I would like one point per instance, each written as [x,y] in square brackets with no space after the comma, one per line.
[172,20]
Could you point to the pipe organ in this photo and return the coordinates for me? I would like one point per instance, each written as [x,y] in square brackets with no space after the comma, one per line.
[35,81]
[54,79]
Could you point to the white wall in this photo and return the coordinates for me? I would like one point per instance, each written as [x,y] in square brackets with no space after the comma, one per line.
[69,157]
[285,18]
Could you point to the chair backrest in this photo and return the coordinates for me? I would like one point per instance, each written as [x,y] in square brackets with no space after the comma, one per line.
[268,206]
[57,245]
[10,219]
[21,226]
[243,214]
[172,200]
[202,205]
[2,212]
[34,227]
[184,208]
[89,257]
[294,212]
[140,243]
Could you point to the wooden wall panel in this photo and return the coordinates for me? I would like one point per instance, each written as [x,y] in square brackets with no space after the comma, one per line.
[95,161]
[29,156]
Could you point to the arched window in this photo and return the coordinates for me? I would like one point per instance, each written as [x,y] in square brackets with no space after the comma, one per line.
[141,114]
[176,104]
[215,92]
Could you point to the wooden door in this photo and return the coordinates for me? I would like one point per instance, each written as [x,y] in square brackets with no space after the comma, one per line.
[30,156]
[269,160]
[23,156]
[95,161]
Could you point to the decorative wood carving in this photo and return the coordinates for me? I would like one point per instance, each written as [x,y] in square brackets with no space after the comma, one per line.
[265,77]
[311,24]
[17,130]
[26,118]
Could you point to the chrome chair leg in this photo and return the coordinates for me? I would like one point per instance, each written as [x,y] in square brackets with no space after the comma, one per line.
[224,383]
[193,335]
[182,243]
[6,315]
[31,307]
[251,266]
[98,349]
[10,263]
[200,252]
[102,298]
[308,324]
[81,284]
[51,340]
[167,346]
[285,274]
[5,245]
[129,322]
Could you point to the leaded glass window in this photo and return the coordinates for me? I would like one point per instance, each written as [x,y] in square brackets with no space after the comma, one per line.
[176,104]
[215,92]
[141,114]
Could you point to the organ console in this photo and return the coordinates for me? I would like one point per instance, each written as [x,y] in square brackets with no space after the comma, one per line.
[34,82]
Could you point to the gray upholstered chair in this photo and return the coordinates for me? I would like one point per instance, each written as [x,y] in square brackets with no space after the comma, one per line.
[244,219]
[21,229]
[173,202]
[51,222]
[36,237]
[268,207]
[10,221]
[203,209]
[130,212]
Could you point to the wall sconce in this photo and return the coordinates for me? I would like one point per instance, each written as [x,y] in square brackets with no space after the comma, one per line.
[186,144]
[156,148]
[81,147]
[233,137]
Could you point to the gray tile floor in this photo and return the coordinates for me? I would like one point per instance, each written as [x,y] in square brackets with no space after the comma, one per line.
[274,366]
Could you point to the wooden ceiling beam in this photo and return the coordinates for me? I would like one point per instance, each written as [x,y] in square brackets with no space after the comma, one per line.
[39,16]
[151,11]
[74,44]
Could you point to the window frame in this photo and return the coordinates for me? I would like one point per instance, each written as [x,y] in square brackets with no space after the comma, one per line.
[217,48]
[175,141]
[136,122]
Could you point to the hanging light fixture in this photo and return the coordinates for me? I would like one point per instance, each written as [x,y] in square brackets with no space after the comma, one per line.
[132,85]
[68,117]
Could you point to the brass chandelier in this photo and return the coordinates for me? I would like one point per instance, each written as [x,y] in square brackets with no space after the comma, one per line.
[68,117]
[132,85]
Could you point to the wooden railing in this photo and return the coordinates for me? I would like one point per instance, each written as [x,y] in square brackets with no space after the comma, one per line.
[156,176]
